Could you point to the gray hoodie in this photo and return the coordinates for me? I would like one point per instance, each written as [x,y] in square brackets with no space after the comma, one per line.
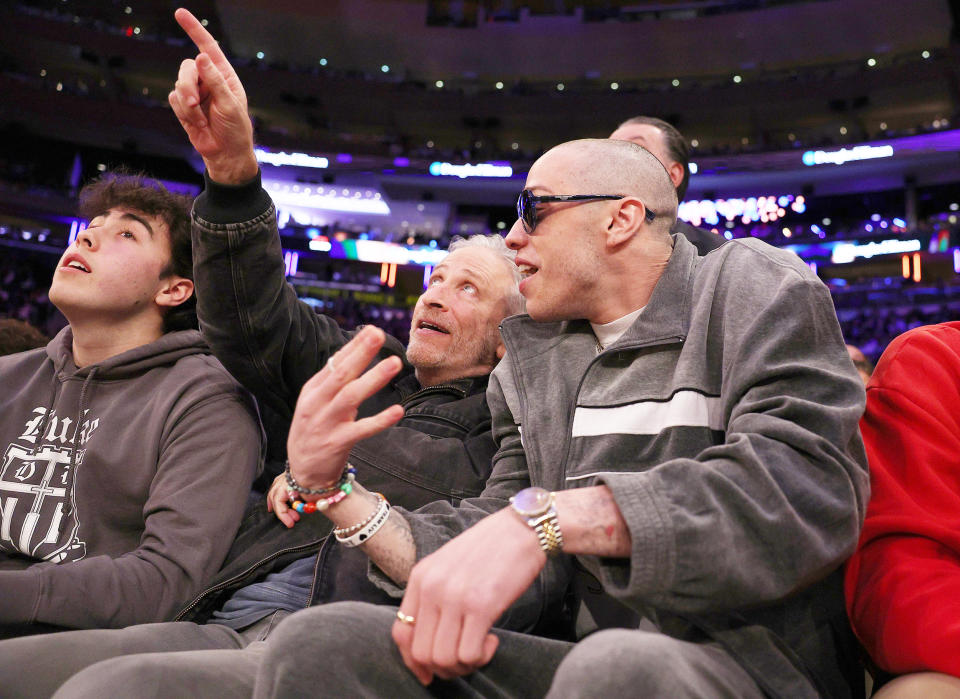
[122,483]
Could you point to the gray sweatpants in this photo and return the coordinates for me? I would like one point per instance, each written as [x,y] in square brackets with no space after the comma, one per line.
[345,650]
[175,659]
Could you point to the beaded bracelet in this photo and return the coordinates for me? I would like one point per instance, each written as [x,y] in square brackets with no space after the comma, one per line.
[323,503]
[369,529]
[353,529]
[348,475]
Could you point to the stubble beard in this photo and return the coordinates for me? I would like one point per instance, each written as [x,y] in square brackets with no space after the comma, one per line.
[468,355]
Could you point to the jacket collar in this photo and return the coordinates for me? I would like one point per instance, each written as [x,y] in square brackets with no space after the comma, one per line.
[666,315]
[408,385]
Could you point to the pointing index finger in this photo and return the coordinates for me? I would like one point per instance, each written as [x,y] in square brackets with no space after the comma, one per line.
[203,39]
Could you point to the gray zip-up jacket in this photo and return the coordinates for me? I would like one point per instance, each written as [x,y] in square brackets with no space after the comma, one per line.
[724,421]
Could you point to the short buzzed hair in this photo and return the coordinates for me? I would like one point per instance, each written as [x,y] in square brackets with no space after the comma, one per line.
[515,301]
[625,168]
[676,144]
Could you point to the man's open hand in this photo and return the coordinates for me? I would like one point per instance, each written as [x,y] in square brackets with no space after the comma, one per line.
[325,425]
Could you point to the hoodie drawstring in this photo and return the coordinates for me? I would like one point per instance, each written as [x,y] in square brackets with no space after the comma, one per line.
[48,409]
[68,509]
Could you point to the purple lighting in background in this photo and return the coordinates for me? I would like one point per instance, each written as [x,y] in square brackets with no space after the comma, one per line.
[401,162]
[942,142]
[344,158]
[291,260]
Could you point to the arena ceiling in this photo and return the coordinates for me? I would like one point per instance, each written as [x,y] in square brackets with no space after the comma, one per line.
[553,39]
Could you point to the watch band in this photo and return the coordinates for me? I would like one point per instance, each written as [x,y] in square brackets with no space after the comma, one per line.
[535,507]
[548,531]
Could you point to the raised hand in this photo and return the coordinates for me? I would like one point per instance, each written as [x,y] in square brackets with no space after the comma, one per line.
[325,425]
[211,105]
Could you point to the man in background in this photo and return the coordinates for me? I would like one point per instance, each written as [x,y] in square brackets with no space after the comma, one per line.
[18,336]
[671,149]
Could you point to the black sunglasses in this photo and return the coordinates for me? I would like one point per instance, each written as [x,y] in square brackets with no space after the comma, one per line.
[527,205]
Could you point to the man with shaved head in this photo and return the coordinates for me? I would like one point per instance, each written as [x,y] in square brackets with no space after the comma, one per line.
[678,459]
[670,147]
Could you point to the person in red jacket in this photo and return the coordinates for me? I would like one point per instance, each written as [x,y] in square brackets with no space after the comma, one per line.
[903,583]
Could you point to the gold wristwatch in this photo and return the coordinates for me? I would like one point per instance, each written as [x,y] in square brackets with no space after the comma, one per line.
[535,507]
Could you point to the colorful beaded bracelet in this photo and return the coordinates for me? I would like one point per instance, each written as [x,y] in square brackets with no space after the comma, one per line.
[348,475]
[323,503]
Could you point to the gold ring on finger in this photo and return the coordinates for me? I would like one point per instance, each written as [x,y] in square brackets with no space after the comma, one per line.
[406,618]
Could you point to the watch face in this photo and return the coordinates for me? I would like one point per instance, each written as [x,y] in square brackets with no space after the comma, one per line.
[531,501]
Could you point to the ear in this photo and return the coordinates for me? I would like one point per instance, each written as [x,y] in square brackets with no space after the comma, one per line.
[626,222]
[676,174]
[173,291]
[501,351]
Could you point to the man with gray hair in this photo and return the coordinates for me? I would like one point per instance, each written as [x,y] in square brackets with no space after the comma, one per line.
[670,148]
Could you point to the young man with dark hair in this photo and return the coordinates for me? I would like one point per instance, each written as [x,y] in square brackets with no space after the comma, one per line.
[127,450]
[669,147]
[136,193]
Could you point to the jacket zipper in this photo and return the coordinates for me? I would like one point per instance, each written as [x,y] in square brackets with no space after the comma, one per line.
[439,388]
[235,578]
[568,432]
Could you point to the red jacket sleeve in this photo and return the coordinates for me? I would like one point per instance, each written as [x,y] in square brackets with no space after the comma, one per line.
[903,584]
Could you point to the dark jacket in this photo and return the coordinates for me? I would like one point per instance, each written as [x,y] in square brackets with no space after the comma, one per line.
[703,240]
[273,343]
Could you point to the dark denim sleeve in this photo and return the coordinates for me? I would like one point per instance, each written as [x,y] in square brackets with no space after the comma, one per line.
[252,319]
[412,467]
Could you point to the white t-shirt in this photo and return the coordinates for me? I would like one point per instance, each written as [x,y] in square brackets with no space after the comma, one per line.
[608,333]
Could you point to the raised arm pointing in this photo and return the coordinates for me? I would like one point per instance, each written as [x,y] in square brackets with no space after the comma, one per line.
[211,105]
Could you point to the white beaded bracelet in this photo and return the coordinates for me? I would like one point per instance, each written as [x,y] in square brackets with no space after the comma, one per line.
[344,532]
[371,528]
